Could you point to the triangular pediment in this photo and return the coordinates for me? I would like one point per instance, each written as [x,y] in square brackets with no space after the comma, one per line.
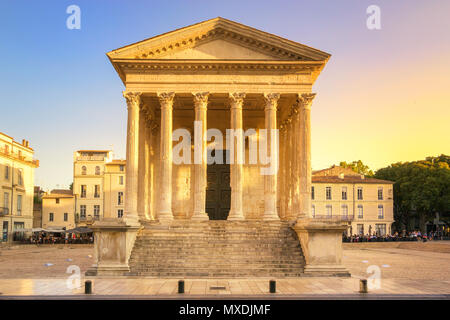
[219,39]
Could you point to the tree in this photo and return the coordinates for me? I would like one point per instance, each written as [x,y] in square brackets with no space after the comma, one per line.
[71,186]
[357,166]
[421,189]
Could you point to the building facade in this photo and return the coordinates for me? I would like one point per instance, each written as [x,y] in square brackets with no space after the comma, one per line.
[58,210]
[367,203]
[16,186]
[98,186]
[114,185]
[207,106]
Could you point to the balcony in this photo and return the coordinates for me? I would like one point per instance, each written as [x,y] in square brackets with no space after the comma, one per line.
[4,211]
[347,218]
[15,156]
[87,219]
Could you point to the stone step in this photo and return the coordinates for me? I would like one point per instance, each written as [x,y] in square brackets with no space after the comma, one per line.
[217,249]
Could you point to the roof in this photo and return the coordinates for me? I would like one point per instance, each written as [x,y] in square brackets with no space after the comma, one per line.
[117,161]
[348,179]
[161,51]
[96,151]
[59,193]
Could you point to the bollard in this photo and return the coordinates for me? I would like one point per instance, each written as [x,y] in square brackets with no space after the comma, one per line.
[181,286]
[88,287]
[363,286]
[273,286]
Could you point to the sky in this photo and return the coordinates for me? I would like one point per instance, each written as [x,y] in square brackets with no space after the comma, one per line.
[383,97]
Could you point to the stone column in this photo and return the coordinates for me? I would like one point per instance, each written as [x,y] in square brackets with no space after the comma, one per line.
[165,201]
[270,180]
[296,147]
[288,147]
[200,156]
[305,101]
[131,185]
[141,200]
[236,168]
[148,174]
[282,185]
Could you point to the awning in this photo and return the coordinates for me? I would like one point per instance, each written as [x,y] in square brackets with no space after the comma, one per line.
[79,230]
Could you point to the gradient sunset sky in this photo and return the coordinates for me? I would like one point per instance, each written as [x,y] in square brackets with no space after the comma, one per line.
[383,97]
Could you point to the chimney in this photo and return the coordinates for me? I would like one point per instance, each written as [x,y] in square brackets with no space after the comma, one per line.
[24,142]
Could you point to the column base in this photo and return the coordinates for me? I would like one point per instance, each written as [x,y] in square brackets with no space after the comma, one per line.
[235,216]
[165,217]
[270,216]
[326,271]
[200,216]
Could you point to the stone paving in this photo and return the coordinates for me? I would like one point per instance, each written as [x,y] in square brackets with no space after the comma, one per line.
[415,269]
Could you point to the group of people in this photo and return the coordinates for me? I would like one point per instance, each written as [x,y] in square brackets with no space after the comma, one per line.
[60,238]
[415,235]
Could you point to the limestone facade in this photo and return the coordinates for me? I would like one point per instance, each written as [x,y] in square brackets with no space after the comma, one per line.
[367,203]
[98,186]
[16,186]
[225,76]
[58,210]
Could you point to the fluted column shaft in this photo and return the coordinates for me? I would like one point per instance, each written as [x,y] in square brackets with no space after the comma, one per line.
[296,147]
[165,201]
[305,101]
[270,180]
[200,155]
[133,100]
[236,167]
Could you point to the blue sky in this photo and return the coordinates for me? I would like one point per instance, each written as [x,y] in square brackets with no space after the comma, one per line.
[382,98]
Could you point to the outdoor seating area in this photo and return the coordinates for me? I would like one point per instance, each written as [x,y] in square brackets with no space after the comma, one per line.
[80,235]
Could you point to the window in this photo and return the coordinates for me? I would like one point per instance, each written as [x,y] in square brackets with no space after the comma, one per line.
[50,216]
[120,197]
[380,229]
[7,172]
[380,193]
[313,211]
[120,213]
[83,170]
[329,210]
[360,193]
[121,167]
[83,211]
[360,229]
[96,211]
[312,193]
[344,210]
[97,170]
[83,191]
[360,211]
[121,180]
[66,215]
[97,191]
[6,200]
[328,193]
[344,193]
[19,178]
[19,204]
[380,212]
[57,200]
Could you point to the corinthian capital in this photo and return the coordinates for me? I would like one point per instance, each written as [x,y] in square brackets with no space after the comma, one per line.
[237,99]
[305,100]
[133,98]
[200,99]
[271,100]
[166,98]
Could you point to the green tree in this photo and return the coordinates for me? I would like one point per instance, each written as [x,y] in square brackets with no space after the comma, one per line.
[421,188]
[357,166]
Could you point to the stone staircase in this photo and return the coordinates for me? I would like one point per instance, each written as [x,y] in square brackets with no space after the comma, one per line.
[223,249]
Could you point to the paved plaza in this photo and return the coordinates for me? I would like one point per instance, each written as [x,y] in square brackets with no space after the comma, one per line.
[421,269]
